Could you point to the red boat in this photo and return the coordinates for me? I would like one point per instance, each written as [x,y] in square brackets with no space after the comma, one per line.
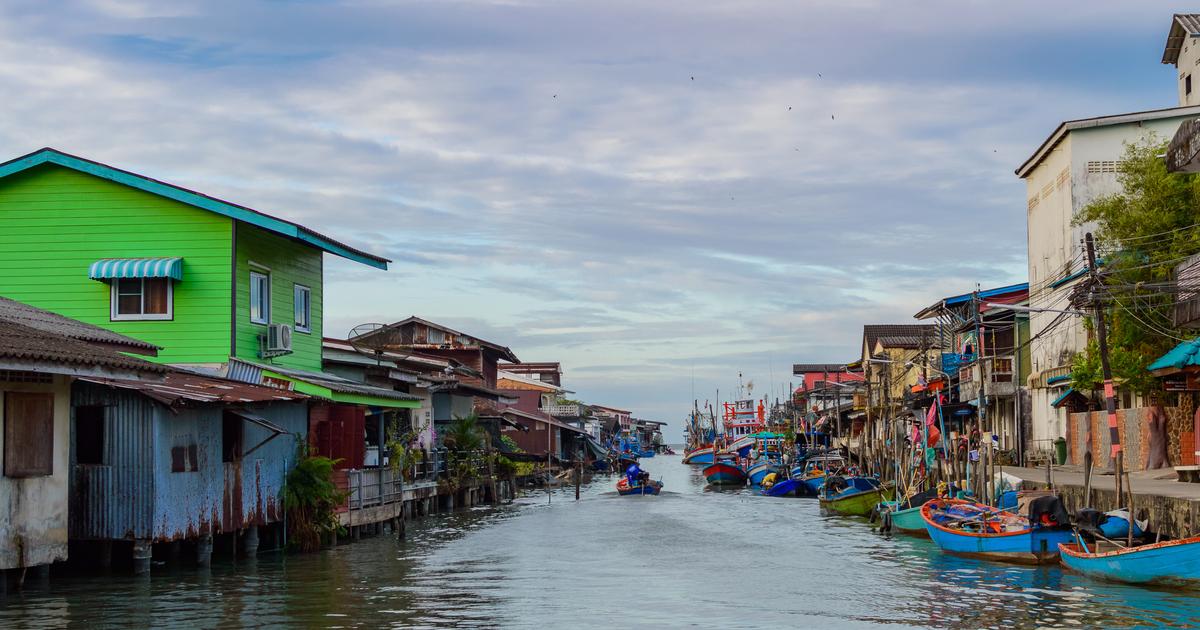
[725,473]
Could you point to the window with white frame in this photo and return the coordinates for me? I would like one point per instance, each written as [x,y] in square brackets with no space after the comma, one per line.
[302,301]
[142,298]
[260,297]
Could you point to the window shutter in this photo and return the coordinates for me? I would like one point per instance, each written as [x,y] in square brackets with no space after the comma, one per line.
[28,434]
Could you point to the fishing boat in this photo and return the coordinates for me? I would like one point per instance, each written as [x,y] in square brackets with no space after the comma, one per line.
[700,456]
[1167,562]
[813,471]
[972,529]
[725,473]
[625,460]
[649,486]
[904,515]
[759,470]
[785,488]
[853,496]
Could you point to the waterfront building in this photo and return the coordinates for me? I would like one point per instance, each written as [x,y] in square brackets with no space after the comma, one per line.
[984,348]
[41,355]
[476,364]
[223,290]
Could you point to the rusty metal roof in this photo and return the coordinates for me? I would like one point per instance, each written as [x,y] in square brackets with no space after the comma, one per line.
[53,323]
[25,344]
[184,388]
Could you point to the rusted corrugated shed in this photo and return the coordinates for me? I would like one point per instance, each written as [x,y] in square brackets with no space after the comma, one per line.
[164,475]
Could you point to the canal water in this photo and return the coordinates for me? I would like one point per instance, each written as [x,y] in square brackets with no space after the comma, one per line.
[691,557]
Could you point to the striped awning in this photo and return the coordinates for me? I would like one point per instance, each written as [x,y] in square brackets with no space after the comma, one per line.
[136,268]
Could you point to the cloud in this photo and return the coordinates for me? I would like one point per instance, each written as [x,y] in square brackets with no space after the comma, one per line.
[633,189]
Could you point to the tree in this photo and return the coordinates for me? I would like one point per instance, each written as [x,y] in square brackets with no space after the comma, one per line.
[464,434]
[1141,233]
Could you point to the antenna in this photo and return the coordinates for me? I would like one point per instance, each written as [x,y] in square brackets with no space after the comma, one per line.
[364,340]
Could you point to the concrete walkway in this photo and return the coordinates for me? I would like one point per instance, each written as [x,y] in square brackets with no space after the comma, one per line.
[1148,482]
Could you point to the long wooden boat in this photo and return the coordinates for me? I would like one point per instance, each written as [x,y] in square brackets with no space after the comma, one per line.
[785,488]
[858,498]
[649,487]
[972,529]
[725,473]
[759,471]
[903,520]
[699,456]
[1167,562]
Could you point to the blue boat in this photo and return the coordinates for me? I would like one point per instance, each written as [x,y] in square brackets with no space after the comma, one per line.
[759,470]
[648,486]
[1167,562]
[973,529]
[785,488]
[702,455]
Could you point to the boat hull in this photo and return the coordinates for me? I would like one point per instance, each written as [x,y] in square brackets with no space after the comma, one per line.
[785,488]
[700,456]
[1172,561]
[907,521]
[858,503]
[649,488]
[1027,546]
[725,474]
[759,471]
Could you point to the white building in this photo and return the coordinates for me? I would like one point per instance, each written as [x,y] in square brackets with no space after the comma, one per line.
[1075,165]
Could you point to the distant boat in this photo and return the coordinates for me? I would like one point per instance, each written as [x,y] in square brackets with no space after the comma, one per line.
[1170,561]
[647,487]
[853,496]
[725,473]
[625,460]
[973,529]
[699,456]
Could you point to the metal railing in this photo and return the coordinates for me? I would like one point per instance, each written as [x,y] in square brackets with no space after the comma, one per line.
[570,411]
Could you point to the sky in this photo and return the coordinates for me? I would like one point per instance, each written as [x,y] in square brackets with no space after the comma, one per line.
[659,195]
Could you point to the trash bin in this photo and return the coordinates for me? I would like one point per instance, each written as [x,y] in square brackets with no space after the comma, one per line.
[1060,451]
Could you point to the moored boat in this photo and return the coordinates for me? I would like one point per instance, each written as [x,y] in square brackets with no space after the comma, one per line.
[648,486]
[853,496]
[1166,562]
[725,473]
[759,470]
[699,456]
[904,515]
[973,529]
[785,488]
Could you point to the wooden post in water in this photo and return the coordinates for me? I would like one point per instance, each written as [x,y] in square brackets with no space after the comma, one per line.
[578,476]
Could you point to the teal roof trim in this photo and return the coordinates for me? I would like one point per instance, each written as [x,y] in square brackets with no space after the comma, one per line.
[108,268]
[1062,378]
[1057,402]
[192,198]
[1179,357]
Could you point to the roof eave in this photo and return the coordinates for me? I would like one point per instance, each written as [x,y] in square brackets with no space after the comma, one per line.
[48,155]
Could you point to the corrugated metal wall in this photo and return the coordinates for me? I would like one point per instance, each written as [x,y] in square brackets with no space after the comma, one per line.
[135,494]
[114,500]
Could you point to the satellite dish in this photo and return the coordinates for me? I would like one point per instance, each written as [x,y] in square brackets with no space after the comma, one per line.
[363,340]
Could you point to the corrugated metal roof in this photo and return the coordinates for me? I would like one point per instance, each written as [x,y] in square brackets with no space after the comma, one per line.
[337,383]
[872,332]
[811,368]
[1183,26]
[27,344]
[55,324]
[182,388]
[903,341]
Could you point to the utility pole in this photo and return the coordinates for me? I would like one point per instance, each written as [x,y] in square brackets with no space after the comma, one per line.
[980,466]
[1110,398]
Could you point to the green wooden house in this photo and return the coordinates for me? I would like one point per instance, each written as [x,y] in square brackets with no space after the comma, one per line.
[203,278]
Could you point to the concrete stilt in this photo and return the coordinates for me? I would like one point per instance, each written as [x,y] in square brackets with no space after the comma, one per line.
[39,576]
[250,541]
[174,548]
[142,550]
[204,548]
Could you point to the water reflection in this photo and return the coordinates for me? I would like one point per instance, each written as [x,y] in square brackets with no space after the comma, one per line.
[691,556]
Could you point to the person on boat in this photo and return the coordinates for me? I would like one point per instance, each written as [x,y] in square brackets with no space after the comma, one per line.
[633,474]
[770,479]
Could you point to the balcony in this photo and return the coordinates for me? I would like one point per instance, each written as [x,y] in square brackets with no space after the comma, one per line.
[564,411]
[997,376]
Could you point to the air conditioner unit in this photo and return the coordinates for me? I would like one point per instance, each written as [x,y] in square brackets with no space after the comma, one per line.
[278,340]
